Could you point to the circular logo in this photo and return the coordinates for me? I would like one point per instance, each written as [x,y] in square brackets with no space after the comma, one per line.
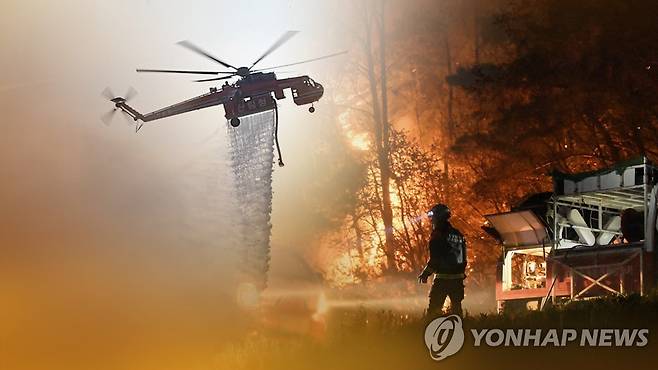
[444,336]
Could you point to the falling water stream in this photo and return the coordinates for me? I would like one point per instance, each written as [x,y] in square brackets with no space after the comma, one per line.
[251,152]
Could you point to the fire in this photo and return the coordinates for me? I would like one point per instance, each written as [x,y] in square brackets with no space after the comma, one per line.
[340,270]
[350,259]
[358,140]
[355,252]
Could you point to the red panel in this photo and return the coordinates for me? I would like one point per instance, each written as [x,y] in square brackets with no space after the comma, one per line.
[618,269]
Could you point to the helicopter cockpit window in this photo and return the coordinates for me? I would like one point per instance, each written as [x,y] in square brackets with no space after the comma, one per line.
[309,82]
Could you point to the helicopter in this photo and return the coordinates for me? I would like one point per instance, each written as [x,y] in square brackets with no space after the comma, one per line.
[255,90]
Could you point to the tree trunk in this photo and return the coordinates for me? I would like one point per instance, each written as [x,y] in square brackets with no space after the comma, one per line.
[382,132]
[449,123]
[476,57]
[384,159]
[381,128]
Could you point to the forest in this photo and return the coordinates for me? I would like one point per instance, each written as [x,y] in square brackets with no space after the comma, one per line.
[474,103]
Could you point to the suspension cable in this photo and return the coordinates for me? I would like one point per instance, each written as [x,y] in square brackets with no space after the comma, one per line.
[276,133]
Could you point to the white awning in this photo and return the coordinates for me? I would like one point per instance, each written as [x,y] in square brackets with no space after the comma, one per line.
[518,229]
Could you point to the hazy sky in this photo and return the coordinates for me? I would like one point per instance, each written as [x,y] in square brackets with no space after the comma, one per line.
[115,248]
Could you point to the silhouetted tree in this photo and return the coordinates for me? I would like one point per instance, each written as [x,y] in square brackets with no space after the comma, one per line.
[576,91]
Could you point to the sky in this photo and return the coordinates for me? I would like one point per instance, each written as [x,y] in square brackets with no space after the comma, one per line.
[116,248]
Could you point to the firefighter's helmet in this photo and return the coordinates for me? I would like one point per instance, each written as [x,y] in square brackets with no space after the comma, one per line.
[439,212]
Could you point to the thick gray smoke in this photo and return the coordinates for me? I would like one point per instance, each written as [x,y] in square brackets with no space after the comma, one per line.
[251,149]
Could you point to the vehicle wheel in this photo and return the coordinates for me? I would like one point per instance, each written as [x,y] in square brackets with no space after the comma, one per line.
[235,122]
[311,109]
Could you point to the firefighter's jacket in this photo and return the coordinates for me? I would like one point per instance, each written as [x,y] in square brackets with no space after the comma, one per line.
[447,253]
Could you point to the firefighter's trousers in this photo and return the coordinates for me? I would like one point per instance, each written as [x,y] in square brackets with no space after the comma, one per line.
[446,287]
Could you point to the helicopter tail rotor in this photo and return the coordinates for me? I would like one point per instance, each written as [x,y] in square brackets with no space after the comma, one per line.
[119,104]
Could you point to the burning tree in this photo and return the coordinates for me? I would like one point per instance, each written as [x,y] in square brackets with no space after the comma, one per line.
[572,93]
[356,251]
[404,143]
[502,91]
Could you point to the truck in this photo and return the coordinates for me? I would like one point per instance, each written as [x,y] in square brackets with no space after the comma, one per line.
[592,236]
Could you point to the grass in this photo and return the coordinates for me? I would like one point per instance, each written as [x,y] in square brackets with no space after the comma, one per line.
[368,339]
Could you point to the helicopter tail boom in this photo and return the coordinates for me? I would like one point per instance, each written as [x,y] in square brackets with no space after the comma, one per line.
[121,104]
[203,101]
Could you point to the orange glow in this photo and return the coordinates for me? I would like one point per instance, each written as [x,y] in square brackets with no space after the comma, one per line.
[321,308]
[358,140]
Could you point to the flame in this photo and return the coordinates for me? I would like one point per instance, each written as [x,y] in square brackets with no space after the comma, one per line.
[340,270]
[358,140]
[349,264]
[353,260]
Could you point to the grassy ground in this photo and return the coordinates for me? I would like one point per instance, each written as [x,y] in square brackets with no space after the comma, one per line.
[363,339]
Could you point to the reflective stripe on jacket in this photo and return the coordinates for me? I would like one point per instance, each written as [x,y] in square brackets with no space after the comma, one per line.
[447,249]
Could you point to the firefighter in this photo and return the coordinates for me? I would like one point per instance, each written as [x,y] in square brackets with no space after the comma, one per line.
[447,261]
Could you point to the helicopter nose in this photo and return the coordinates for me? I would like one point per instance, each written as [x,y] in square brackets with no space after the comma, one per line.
[320,90]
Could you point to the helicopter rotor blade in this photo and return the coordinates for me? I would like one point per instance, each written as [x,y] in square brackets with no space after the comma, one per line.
[285,37]
[181,71]
[108,94]
[303,61]
[129,120]
[216,79]
[131,93]
[198,50]
[108,116]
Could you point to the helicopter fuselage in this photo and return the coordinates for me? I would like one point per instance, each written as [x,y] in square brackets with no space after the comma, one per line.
[257,93]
